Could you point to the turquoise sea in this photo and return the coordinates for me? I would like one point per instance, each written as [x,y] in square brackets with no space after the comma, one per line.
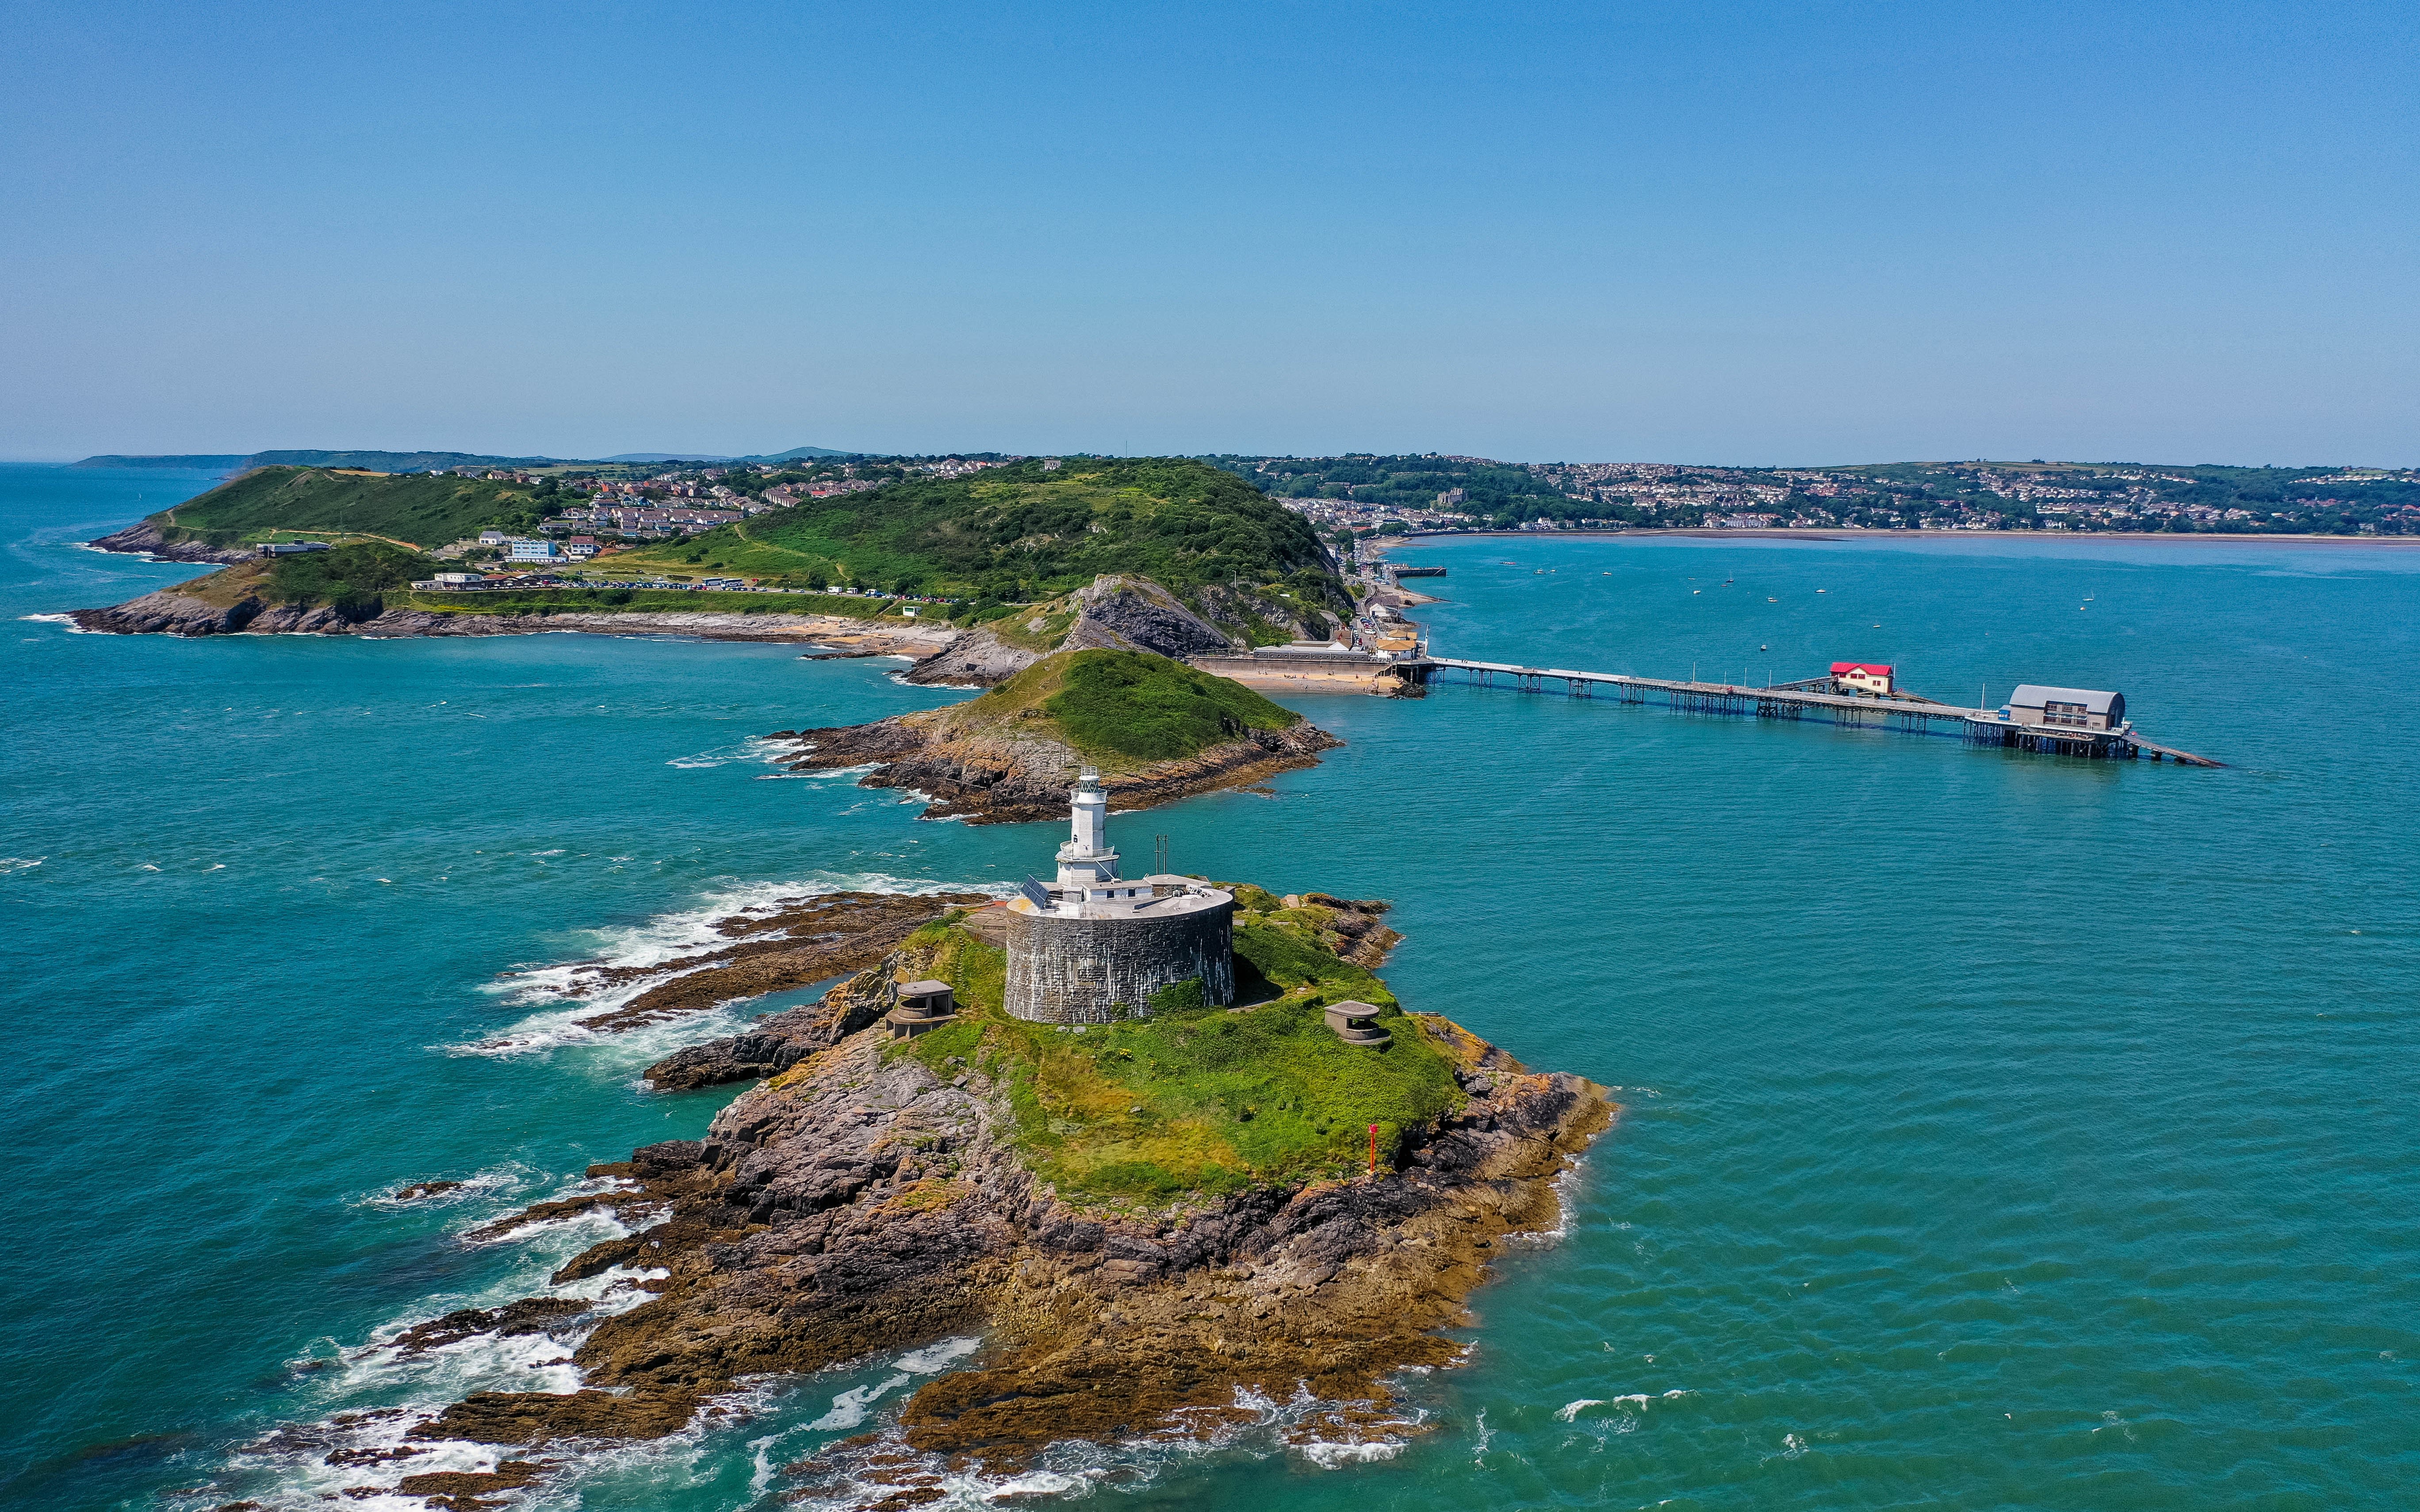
[2000,1130]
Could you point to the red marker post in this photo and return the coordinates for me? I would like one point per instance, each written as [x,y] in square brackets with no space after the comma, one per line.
[1373,1149]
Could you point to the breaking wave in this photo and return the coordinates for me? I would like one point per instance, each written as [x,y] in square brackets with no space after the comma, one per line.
[630,960]
[358,1408]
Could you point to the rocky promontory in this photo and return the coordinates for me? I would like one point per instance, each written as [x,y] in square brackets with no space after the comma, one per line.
[1157,730]
[991,1178]
[237,602]
[1113,612]
[144,538]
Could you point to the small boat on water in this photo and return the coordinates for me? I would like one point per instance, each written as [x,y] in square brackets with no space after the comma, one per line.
[1772,601]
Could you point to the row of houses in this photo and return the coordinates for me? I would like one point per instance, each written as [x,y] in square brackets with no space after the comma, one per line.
[642,519]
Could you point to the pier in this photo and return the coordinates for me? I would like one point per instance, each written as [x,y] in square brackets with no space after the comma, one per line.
[1809,699]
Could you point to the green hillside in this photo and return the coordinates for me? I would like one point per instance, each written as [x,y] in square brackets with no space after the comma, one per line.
[1023,532]
[426,510]
[1121,708]
[1197,1097]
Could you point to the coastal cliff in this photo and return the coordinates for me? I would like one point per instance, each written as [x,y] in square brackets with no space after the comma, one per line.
[1141,1234]
[1116,612]
[144,538]
[244,599]
[1158,731]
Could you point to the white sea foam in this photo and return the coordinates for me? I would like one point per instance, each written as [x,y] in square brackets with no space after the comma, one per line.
[10,865]
[668,941]
[367,1402]
[1259,1426]
[936,1357]
[1042,1483]
[1565,1186]
[1633,1403]
[509,1178]
[754,748]
[1328,1456]
[849,1407]
[65,619]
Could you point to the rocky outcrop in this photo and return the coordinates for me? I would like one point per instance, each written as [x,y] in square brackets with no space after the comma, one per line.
[176,611]
[144,538]
[864,1201]
[795,944]
[1112,612]
[169,612]
[1117,613]
[778,1041]
[1005,778]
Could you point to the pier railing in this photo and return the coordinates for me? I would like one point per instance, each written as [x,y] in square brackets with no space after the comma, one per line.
[1795,701]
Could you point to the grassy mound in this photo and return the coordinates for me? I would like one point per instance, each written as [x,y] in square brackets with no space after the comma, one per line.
[1199,1101]
[424,509]
[1021,534]
[350,577]
[1123,708]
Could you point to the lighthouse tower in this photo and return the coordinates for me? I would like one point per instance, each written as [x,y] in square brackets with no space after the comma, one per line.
[1095,950]
[1087,858]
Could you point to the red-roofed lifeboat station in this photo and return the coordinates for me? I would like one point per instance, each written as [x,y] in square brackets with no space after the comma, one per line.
[1863,677]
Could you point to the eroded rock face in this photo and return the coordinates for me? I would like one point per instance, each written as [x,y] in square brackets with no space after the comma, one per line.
[1125,613]
[779,1041]
[1116,613]
[168,611]
[861,1202]
[144,538]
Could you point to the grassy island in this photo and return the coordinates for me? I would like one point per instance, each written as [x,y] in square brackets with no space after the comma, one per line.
[1195,1100]
[1120,709]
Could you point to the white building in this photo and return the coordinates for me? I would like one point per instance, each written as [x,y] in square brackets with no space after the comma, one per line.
[1087,856]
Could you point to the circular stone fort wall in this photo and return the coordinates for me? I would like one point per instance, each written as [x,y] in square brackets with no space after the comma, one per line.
[1065,970]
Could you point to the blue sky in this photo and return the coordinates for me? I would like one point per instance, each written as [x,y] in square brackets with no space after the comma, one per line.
[1747,233]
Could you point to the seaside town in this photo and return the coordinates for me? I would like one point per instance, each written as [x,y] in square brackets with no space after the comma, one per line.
[1412,494]
[597,510]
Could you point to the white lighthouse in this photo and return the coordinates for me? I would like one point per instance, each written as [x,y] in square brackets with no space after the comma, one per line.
[1087,858]
[1092,949]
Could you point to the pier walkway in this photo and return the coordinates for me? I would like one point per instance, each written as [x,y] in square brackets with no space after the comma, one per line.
[1794,701]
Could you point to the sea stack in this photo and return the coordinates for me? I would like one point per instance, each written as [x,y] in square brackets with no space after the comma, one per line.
[1091,948]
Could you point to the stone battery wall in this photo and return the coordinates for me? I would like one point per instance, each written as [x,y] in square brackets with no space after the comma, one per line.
[1082,970]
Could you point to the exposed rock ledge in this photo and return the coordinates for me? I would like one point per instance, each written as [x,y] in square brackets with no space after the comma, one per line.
[142,538]
[168,611]
[864,1202]
[992,778]
[1109,613]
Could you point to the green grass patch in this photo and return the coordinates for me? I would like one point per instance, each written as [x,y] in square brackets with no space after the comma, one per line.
[1155,709]
[1197,1101]
[351,578]
[733,549]
[424,509]
[1021,534]
[1120,709]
